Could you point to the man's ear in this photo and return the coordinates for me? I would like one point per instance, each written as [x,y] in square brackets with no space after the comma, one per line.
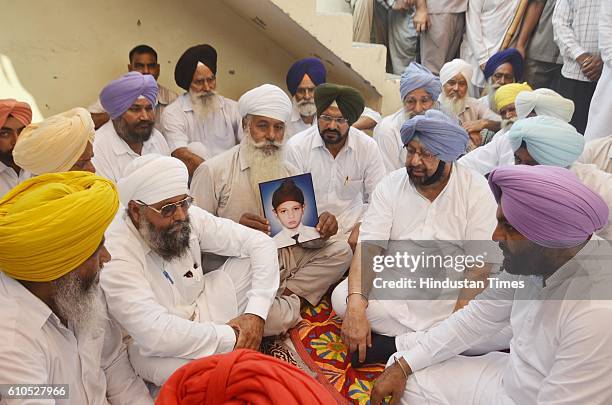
[133,209]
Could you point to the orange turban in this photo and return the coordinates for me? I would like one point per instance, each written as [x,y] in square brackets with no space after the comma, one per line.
[242,376]
[21,111]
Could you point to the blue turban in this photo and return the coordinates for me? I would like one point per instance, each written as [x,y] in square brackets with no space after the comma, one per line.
[312,67]
[438,134]
[120,94]
[550,141]
[509,55]
[418,76]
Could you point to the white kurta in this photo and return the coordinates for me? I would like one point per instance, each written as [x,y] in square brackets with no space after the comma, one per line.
[9,179]
[487,157]
[343,184]
[112,154]
[170,309]
[599,153]
[220,132]
[486,23]
[561,350]
[600,182]
[36,348]
[464,211]
[387,136]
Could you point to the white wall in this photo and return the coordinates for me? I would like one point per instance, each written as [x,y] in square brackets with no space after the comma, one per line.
[65,51]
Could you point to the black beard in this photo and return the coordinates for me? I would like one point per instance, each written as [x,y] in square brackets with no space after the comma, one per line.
[169,243]
[333,141]
[532,261]
[7,158]
[427,181]
[134,135]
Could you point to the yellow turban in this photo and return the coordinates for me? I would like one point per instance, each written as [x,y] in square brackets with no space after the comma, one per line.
[507,93]
[51,224]
[55,144]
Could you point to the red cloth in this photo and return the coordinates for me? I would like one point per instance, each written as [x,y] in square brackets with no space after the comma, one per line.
[242,377]
[21,111]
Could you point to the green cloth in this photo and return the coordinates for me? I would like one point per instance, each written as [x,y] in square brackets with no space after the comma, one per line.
[349,100]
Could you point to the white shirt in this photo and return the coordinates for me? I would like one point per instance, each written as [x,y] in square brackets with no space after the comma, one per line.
[168,313]
[285,236]
[561,350]
[36,348]
[601,183]
[486,22]
[9,179]
[464,211]
[112,154]
[487,157]
[387,136]
[220,132]
[475,110]
[575,30]
[342,185]
[599,153]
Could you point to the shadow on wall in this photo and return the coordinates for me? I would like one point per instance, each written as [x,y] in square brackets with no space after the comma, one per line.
[10,87]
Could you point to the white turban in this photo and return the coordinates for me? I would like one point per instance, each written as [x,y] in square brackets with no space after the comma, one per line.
[266,100]
[55,144]
[153,178]
[453,68]
[544,102]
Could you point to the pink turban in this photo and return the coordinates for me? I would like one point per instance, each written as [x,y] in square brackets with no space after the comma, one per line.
[21,111]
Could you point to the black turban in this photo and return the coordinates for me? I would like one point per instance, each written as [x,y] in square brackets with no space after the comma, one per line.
[187,63]
[287,191]
[349,100]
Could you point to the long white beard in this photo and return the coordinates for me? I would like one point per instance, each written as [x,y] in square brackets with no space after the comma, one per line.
[507,124]
[490,90]
[454,105]
[205,104]
[264,165]
[305,108]
[83,309]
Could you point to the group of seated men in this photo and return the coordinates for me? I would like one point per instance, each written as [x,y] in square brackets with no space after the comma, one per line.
[174,215]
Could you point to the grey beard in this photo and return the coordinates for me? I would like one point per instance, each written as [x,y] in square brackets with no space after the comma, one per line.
[507,124]
[204,104]
[79,305]
[306,108]
[490,90]
[455,106]
[170,243]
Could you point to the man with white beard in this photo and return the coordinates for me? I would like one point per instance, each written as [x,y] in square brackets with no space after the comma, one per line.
[228,186]
[454,100]
[55,331]
[302,78]
[201,123]
[504,67]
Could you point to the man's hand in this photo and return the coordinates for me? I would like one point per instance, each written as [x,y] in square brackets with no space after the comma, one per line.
[592,67]
[474,126]
[354,236]
[191,160]
[327,226]
[521,49]
[251,330]
[356,333]
[391,382]
[421,20]
[475,137]
[255,222]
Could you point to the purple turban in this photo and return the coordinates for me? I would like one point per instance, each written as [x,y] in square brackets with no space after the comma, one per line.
[187,63]
[509,55]
[120,94]
[312,67]
[437,133]
[418,76]
[548,205]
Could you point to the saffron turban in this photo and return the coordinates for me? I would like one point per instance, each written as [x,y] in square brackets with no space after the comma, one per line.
[266,100]
[507,93]
[544,102]
[550,141]
[19,110]
[51,224]
[242,377]
[55,144]
[188,62]
[313,67]
[417,76]
[438,134]
[455,67]
[548,205]
[119,95]
[350,102]
[511,56]
[153,178]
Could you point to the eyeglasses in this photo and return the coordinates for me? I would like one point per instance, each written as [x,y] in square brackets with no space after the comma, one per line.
[169,209]
[410,102]
[425,156]
[302,91]
[338,120]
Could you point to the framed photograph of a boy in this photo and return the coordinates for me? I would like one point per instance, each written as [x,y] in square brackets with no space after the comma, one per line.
[290,206]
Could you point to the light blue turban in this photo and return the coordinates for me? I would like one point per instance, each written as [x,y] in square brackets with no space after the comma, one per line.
[438,134]
[550,141]
[417,76]
[120,94]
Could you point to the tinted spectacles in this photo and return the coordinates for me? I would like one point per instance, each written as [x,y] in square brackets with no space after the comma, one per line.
[328,119]
[168,210]
[425,156]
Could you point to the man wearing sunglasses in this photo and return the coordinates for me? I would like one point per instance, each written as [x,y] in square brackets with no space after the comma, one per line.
[155,285]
